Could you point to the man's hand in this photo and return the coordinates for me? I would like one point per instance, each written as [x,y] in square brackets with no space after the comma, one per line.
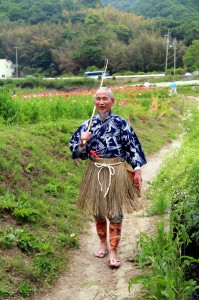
[84,138]
[137,179]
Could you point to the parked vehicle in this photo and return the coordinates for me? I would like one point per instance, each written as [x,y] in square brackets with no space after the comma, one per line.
[95,74]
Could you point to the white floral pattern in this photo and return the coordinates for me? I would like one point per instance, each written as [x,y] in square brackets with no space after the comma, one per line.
[112,138]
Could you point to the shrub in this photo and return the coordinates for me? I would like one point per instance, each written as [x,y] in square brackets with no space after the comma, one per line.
[165,278]
[8,108]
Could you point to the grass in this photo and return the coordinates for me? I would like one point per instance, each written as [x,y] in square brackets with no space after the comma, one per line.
[169,260]
[39,220]
[69,84]
[165,275]
[40,223]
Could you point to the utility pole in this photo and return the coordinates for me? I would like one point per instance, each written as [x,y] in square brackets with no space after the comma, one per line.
[174,51]
[16,63]
[168,35]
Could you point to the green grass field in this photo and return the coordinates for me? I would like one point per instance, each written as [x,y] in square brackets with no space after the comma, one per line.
[40,223]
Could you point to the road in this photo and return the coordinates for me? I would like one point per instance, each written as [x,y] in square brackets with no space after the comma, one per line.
[187,82]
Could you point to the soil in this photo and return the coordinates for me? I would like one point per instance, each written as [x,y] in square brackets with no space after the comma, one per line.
[90,278]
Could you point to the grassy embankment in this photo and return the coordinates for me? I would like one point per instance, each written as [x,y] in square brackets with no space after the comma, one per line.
[169,260]
[69,84]
[39,183]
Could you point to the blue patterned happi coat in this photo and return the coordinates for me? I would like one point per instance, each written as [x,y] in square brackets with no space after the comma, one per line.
[112,138]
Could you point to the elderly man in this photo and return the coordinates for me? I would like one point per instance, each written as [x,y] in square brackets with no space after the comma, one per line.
[106,189]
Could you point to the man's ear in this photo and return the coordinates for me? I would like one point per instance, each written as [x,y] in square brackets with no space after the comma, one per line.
[113,101]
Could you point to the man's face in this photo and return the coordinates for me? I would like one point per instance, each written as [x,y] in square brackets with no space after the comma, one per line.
[103,102]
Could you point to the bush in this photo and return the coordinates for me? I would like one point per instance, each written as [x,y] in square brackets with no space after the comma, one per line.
[8,108]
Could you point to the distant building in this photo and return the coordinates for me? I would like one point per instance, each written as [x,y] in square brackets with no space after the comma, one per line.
[6,68]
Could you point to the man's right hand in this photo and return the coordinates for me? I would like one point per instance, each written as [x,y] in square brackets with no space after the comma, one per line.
[84,138]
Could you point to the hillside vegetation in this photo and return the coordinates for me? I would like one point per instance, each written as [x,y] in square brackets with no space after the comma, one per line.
[181,17]
[34,12]
[170,259]
[69,37]
[175,9]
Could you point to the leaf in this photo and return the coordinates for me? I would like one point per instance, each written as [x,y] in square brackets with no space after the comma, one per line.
[136,279]
[4,292]
[29,167]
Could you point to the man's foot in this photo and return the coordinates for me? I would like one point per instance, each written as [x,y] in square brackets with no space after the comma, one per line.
[102,251]
[100,254]
[113,261]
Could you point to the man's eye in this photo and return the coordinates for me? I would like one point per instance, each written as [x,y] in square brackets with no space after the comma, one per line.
[104,99]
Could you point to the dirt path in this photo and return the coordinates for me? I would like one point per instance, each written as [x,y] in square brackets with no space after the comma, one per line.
[90,278]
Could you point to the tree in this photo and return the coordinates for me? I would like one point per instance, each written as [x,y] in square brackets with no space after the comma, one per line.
[91,53]
[78,17]
[123,33]
[191,57]
[146,52]
[93,21]
[90,3]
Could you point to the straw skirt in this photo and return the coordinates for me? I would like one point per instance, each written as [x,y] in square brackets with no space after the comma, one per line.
[106,188]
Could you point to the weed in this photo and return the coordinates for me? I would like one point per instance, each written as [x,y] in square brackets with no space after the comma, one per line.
[173,256]
[44,265]
[26,289]
[53,188]
[7,239]
[4,292]
[71,240]
[21,209]
[166,267]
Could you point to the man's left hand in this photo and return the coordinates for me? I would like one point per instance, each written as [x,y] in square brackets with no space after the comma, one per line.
[137,179]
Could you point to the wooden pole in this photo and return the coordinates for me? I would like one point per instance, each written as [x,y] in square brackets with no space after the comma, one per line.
[94,108]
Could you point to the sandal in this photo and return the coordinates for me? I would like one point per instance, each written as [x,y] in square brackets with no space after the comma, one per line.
[101,254]
[114,263]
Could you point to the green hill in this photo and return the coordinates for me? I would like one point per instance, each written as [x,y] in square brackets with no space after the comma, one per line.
[181,16]
[174,9]
[70,37]
[34,12]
